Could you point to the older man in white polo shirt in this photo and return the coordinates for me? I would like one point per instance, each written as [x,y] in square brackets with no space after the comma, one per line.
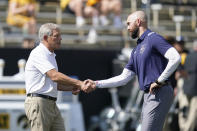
[43,80]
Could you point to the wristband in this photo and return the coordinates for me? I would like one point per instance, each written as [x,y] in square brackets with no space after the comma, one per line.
[160,83]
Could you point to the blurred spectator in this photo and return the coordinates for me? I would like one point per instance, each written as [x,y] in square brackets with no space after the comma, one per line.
[170,39]
[114,6]
[179,75]
[179,45]
[190,89]
[92,9]
[177,80]
[21,13]
[105,7]
[81,9]
[74,7]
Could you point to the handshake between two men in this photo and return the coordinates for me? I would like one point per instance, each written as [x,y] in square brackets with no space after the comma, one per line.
[86,86]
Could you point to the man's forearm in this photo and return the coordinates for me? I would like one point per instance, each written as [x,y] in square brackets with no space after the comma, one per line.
[116,81]
[61,87]
[67,81]
[62,79]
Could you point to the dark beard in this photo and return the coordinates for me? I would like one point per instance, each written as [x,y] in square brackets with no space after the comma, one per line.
[135,33]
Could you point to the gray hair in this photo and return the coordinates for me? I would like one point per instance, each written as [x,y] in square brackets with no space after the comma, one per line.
[47,29]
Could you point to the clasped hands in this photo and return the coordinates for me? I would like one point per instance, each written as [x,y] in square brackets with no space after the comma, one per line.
[86,86]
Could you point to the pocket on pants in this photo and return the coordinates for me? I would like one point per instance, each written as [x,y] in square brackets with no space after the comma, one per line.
[31,110]
[153,101]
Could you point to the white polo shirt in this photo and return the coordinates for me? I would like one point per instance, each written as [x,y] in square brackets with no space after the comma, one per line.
[39,62]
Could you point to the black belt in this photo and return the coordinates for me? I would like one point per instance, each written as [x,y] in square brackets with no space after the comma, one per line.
[43,96]
[146,90]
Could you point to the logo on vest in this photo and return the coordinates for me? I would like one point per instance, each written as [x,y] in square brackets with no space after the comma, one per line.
[142,49]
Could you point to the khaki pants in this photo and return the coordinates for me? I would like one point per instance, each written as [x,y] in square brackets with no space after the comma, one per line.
[43,114]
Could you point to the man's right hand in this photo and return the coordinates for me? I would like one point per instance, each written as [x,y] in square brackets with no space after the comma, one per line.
[89,86]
